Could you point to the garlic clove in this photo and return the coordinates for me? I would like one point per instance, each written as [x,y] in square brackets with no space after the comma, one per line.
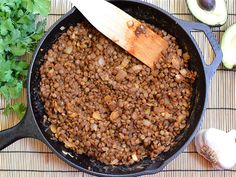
[199,141]
[217,146]
[203,149]
[232,134]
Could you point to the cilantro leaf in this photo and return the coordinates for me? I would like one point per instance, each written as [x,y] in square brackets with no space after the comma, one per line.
[15,36]
[2,46]
[21,69]
[41,7]
[18,49]
[11,90]
[5,71]
[39,30]
[7,76]
[18,108]
[12,76]
[24,19]
[28,4]
[5,26]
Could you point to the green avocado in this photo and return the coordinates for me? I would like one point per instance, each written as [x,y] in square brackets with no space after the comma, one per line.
[210,12]
[228,46]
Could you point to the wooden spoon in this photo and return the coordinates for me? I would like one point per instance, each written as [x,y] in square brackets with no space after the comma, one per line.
[123,29]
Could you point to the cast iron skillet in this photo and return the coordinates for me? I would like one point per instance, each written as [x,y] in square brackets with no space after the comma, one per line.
[32,124]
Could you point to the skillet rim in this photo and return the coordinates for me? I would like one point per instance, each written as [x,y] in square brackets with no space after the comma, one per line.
[145,171]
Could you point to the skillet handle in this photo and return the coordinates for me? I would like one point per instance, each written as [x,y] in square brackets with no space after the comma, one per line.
[26,128]
[191,26]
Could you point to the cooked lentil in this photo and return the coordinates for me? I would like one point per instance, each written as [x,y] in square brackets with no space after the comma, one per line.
[103,102]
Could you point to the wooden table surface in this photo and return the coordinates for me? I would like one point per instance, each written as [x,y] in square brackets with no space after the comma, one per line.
[31,158]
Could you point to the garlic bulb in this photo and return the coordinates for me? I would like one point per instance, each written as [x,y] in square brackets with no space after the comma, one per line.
[217,146]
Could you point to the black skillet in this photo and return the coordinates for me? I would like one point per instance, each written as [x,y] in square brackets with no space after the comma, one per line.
[32,124]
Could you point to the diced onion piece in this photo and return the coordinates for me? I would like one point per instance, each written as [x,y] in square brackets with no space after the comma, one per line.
[104,77]
[96,115]
[53,128]
[147,111]
[69,144]
[101,61]
[167,100]
[167,115]
[68,50]
[175,63]
[178,78]
[80,151]
[108,98]
[181,117]
[51,59]
[146,122]
[186,56]
[94,127]
[183,72]
[114,115]
[121,75]
[124,63]
[137,67]
[179,52]
[73,115]
[114,162]
[134,157]
[100,47]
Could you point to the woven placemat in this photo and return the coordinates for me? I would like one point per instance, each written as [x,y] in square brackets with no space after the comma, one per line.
[31,158]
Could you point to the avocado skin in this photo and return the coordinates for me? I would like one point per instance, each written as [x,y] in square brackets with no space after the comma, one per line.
[229,51]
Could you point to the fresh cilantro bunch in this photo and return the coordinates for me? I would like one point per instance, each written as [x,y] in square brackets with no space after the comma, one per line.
[18,31]
[12,76]
[19,34]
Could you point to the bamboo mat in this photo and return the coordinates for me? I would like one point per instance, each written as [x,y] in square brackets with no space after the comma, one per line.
[31,158]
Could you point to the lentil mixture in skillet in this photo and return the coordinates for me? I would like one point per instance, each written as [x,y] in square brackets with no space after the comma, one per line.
[104,103]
